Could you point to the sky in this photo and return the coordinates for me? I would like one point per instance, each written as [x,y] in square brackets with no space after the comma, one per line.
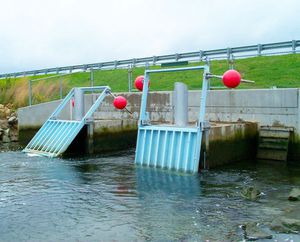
[38,34]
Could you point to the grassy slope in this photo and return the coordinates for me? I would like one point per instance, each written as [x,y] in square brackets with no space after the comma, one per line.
[280,71]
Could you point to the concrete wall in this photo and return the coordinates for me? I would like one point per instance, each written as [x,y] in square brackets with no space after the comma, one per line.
[33,117]
[265,106]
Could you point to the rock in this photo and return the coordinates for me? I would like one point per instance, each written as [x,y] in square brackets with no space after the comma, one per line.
[7,132]
[286,225]
[5,139]
[250,193]
[252,231]
[14,114]
[7,111]
[12,120]
[14,138]
[1,106]
[3,124]
[294,194]
[2,114]
[288,222]
[9,106]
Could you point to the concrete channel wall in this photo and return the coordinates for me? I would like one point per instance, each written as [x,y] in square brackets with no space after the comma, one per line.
[265,106]
[279,107]
[246,110]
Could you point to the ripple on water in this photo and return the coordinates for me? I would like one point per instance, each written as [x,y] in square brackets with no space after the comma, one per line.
[107,197]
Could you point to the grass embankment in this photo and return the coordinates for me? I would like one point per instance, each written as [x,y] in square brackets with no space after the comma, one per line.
[280,71]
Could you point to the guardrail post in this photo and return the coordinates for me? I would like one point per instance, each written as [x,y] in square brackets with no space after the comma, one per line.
[228,54]
[154,60]
[259,49]
[200,55]
[29,93]
[294,46]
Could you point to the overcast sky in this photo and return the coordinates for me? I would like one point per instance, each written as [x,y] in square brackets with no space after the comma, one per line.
[49,33]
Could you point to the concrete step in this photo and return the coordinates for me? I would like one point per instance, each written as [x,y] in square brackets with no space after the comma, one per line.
[273,140]
[273,143]
[274,133]
[274,146]
[271,154]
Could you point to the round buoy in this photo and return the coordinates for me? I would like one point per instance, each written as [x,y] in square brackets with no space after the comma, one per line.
[120,102]
[231,78]
[139,83]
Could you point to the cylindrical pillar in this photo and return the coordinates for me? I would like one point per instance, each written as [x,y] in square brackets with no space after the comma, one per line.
[78,104]
[180,104]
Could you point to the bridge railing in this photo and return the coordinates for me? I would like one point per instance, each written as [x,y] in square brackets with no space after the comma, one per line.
[278,48]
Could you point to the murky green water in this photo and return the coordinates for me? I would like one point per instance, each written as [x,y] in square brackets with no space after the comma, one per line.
[108,198]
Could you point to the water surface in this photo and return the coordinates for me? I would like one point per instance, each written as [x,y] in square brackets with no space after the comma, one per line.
[108,198]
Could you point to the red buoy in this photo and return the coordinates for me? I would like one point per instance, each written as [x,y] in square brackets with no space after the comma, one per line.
[139,83]
[231,78]
[120,102]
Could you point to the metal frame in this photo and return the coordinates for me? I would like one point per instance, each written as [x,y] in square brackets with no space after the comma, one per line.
[255,50]
[171,138]
[55,136]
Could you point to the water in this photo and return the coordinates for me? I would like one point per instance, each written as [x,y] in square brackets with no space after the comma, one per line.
[109,199]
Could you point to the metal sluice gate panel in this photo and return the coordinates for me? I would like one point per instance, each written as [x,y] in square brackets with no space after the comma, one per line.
[168,147]
[173,147]
[54,137]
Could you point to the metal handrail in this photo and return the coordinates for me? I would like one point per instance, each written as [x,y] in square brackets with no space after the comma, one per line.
[201,54]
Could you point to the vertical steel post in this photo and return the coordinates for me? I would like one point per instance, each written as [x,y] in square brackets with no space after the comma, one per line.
[143,114]
[180,104]
[205,87]
[78,104]
[29,93]
[129,78]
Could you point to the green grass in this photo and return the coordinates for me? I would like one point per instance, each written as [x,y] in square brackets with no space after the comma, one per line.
[280,71]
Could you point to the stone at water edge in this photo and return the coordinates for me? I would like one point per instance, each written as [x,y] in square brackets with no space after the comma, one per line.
[294,194]
[286,225]
[12,120]
[288,221]
[250,193]
[4,124]
[252,231]
[5,139]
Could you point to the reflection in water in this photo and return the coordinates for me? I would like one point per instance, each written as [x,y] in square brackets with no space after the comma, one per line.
[168,204]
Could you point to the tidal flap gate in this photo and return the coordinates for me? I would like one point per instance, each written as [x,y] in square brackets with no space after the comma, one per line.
[55,136]
[171,146]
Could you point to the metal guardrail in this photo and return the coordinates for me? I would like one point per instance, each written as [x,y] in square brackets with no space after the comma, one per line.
[226,53]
